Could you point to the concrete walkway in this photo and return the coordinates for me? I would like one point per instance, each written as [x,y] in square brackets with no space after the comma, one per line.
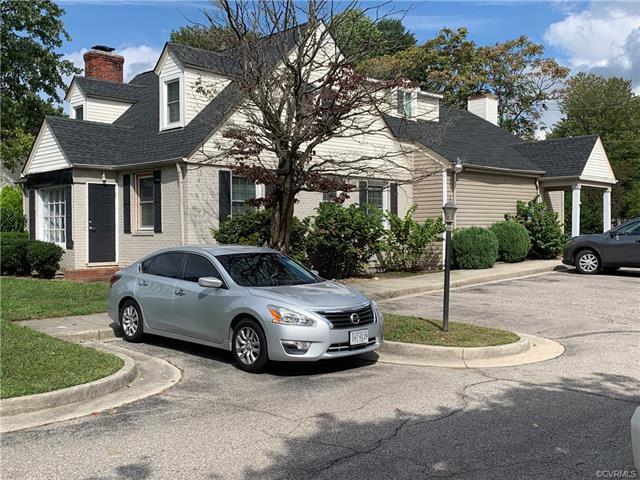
[433,282]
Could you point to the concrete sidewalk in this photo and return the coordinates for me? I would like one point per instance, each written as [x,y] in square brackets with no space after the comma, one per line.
[433,282]
[81,328]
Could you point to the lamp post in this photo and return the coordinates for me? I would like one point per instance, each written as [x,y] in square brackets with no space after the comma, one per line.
[449,210]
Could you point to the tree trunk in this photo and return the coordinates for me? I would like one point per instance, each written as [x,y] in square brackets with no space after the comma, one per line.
[282,218]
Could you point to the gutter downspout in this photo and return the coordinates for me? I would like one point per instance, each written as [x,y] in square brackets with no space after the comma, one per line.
[180,201]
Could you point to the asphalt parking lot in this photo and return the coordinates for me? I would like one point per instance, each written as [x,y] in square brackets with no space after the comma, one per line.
[564,418]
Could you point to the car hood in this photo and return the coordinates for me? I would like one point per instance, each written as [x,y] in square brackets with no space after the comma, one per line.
[590,237]
[313,296]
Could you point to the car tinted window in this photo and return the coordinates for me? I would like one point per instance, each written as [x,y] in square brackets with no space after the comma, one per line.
[197,266]
[265,270]
[165,265]
[631,229]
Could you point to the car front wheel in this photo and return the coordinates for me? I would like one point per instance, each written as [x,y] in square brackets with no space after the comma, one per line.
[249,346]
[131,321]
[587,262]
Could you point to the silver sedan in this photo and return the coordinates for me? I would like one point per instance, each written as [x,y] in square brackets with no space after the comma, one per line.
[256,302]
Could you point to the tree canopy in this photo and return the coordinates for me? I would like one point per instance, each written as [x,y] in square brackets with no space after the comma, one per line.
[32,72]
[206,37]
[591,105]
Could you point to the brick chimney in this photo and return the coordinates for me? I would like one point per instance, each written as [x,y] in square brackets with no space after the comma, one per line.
[484,106]
[102,64]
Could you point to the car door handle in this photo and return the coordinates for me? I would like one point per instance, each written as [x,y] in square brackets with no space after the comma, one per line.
[143,283]
[180,292]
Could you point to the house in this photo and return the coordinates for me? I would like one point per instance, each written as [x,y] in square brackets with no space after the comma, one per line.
[129,173]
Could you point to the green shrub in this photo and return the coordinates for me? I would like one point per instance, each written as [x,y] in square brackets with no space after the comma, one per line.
[342,240]
[44,257]
[513,241]
[405,243]
[13,235]
[474,247]
[13,258]
[253,227]
[11,217]
[545,231]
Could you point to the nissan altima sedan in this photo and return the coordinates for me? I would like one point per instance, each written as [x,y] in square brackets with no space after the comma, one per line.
[256,302]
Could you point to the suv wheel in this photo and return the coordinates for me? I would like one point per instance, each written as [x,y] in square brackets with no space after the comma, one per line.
[249,346]
[587,262]
[131,321]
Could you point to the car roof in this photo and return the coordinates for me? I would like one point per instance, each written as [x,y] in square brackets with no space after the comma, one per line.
[224,249]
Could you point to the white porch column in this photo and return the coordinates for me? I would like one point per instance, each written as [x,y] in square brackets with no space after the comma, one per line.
[575,210]
[606,210]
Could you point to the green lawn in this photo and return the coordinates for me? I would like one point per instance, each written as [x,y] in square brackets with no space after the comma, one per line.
[27,298]
[402,328]
[32,362]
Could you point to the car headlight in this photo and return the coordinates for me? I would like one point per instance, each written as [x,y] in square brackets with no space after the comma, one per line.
[284,316]
[377,313]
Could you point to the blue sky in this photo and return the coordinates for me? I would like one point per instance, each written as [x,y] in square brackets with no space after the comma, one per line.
[598,36]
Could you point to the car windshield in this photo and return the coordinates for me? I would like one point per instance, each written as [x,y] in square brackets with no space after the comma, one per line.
[265,270]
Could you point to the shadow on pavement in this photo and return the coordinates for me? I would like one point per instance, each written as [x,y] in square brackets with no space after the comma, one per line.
[623,272]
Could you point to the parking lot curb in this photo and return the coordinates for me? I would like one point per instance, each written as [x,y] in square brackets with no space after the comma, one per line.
[153,376]
[529,349]
[77,393]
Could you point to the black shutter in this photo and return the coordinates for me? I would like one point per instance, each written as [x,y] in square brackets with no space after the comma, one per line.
[400,101]
[394,198]
[269,189]
[32,214]
[68,225]
[362,186]
[157,201]
[126,203]
[224,195]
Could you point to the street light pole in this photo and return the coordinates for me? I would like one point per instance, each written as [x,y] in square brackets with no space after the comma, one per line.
[449,210]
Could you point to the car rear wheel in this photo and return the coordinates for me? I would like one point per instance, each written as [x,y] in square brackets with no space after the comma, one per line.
[587,262]
[131,321]
[249,346]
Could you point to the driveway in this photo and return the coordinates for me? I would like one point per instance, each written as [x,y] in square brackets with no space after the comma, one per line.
[564,418]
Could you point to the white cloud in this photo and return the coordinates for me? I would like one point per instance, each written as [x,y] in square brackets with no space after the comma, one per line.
[603,38]
[137,59]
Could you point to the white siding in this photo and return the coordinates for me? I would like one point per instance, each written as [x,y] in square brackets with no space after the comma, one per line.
[170,69]
[484,107]
[105,111]
[47,154]
[598,164]
[195,101]
[427,108]
[76,99]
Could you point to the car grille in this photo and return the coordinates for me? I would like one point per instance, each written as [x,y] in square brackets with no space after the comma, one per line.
[343,319]
[345,347]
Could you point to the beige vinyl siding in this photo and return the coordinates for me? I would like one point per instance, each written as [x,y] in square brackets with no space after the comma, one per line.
[598,163]
[195,101]
[555,200]
[427,189]
[484,198]
[103,110]
[47,155]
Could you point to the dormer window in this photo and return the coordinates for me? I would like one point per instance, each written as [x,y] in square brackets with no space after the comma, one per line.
[173,101]
[79,113]
[407,103]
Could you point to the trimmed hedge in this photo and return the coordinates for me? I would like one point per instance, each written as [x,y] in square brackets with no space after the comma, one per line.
[474,248]
[21,256]
[11,216]
[513,241]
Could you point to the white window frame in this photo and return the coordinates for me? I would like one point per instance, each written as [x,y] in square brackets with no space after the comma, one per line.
[138,177]
[41,211]
[164,108]
[258,191]
[413,103]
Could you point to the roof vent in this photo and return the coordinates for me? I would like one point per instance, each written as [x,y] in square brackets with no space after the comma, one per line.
[102,48]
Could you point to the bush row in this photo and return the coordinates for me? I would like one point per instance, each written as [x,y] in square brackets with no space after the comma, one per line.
[340,241]
[21,256]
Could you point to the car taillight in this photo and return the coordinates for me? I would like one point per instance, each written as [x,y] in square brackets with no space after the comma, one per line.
[114,278]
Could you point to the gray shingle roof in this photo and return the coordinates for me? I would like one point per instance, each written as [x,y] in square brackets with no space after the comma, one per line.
[461,134]
[560,157]
[92,87]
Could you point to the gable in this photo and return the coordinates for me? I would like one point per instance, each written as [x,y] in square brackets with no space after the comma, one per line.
[46,154]
[598,165]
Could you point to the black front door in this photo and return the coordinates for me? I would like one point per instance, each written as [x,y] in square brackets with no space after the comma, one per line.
[102,223]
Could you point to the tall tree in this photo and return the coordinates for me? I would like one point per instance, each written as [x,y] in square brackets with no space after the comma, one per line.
[299,92]
[32,72]
[206,37]
[515,71]
[591,105]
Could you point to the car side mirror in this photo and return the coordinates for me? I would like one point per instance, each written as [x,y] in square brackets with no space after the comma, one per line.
[209,282]
[315,272]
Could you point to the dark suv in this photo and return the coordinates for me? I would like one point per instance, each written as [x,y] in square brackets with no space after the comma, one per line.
[619,247]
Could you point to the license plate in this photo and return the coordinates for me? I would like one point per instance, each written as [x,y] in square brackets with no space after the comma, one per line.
[358,337]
